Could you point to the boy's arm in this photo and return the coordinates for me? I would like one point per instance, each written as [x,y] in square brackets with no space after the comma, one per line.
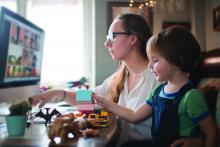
[188,142]
[132,116]
[209,128]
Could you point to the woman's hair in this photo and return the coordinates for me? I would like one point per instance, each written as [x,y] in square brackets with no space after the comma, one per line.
[137,25]
[178,46]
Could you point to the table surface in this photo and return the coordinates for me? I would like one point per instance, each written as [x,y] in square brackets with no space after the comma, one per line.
[36,135]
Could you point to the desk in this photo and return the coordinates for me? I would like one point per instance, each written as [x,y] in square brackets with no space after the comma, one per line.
[36,136]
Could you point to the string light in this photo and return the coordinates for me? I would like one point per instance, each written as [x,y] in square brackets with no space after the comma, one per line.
[142,4]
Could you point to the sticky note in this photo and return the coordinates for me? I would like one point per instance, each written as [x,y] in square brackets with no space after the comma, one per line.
[84,95]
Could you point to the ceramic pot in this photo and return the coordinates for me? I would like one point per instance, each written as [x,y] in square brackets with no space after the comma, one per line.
[16,125]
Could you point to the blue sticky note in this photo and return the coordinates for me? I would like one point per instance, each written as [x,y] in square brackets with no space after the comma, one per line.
[84,95]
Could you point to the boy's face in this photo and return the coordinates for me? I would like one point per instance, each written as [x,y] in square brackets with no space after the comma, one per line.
[160,67]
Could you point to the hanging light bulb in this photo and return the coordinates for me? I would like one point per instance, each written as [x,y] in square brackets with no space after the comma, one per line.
[152,3]
[131,3]
[147,4]
[141,5]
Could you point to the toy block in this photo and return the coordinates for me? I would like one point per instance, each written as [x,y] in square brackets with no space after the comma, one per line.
[84,95]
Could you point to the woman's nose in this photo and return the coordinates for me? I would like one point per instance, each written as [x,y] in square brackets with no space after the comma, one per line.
[107,43]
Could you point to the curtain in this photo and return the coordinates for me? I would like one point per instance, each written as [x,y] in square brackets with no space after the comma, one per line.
[63,56]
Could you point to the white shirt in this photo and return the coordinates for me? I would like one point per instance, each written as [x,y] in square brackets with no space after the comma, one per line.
[133,100]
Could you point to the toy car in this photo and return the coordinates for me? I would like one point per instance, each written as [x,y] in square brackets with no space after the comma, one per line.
[98,120]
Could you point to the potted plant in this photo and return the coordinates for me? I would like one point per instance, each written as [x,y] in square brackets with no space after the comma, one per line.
[16,120]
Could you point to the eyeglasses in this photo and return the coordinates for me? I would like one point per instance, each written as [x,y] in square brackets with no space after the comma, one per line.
[112,35]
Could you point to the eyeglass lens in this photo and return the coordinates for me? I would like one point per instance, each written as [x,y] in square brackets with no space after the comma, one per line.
[112,35]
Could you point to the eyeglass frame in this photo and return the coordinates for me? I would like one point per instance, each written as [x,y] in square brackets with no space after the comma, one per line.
[110,37]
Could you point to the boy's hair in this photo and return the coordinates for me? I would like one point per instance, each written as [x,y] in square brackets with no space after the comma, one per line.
[137,25]
[178,46]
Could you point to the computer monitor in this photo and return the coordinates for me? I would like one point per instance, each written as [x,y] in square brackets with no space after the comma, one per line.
[21,50]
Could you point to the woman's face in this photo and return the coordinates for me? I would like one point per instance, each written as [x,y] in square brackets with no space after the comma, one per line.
[117,41]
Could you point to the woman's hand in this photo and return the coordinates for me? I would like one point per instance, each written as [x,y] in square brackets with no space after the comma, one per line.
[42,98]
[53,95]
[38,100]
[188,142]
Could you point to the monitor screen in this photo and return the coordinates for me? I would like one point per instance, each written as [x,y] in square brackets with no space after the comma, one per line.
[21,50]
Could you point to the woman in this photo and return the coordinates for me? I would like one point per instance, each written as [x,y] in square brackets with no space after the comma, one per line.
[131,83]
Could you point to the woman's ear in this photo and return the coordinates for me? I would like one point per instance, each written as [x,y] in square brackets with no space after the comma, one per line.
[134,39]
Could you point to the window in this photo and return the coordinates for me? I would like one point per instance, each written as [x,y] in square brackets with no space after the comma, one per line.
[11,4]
[63,57]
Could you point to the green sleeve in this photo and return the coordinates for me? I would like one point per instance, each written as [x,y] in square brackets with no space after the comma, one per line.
[150,96]
[195,104]
[217,113]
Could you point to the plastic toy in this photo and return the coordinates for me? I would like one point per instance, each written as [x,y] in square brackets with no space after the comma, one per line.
[84,96]
[79,84]
[63,127]
[98,120]
[45,88]
[48,115]
[70,127]
[85,103]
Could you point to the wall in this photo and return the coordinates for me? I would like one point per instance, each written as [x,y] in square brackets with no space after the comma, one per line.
[17,93]
[164,13]
[212,37]
[198,19]
[104,65]
[22,7]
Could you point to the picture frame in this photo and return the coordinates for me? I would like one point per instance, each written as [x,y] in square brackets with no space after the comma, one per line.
[117,8]
[167,24]
[216,19]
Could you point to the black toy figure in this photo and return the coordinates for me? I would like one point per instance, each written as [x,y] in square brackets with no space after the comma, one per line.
[48,115]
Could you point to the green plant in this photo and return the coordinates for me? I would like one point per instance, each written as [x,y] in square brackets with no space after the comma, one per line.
[20,108]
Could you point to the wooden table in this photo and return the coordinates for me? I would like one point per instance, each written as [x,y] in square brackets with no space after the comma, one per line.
[36,136]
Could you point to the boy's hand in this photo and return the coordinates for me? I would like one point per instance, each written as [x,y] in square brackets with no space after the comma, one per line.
[188,142]
[104,102]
